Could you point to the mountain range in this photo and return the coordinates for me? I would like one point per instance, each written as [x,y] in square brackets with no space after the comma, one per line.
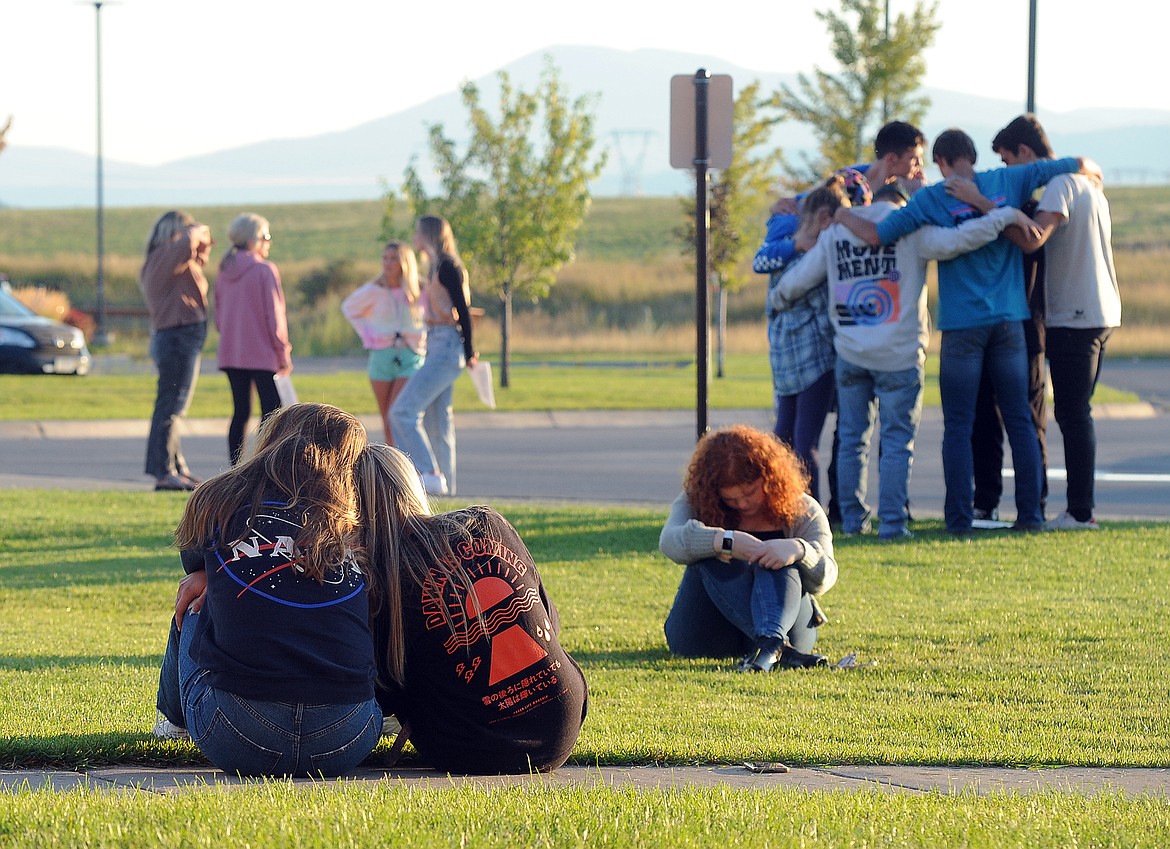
[632,120]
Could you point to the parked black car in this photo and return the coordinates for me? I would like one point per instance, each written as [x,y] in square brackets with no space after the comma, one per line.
[33,344]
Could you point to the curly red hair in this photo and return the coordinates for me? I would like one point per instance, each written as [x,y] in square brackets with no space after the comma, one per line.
[737,455]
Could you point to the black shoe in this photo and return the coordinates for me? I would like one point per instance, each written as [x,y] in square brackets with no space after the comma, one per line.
[790,658]
[764,655]
[1028,527]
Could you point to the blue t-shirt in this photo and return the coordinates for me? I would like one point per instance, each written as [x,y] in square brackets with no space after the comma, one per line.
[984,286]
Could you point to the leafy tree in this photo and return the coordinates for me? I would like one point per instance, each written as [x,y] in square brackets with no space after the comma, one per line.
[737,205]
[518,194]
[879,76]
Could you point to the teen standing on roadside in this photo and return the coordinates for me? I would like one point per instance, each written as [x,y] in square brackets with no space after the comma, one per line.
[386,312]
[175,291]
[253,329]
[449,348]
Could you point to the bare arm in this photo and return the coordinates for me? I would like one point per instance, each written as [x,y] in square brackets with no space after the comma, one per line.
[1091,170]
[1041,228]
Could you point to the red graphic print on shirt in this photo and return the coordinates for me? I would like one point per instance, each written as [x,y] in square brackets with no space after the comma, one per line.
[487,627]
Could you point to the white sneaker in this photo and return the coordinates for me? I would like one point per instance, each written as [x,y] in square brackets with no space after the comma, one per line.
[1066,522]
[390,725]
[435,484]
[164,729]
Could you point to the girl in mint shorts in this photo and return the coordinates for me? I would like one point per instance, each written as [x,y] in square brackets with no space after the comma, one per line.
[387,314]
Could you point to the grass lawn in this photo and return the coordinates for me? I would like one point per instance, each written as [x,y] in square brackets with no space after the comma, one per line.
[1002,649]
[660,382]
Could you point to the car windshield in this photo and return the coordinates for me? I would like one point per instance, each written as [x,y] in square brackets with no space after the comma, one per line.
[9,306]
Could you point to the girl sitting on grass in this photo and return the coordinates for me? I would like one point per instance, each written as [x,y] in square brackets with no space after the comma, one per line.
[465,635]
[757,549]
[269,667]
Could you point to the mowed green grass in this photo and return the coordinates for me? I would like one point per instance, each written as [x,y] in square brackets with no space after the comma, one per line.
[1002,649]
[537,383]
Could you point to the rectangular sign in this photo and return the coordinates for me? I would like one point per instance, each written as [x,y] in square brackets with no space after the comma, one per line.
[720,123]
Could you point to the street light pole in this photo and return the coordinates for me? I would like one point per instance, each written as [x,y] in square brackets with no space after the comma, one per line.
[101,336]
[1031,103]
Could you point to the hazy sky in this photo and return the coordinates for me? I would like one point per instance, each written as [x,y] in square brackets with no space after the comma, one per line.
[187,78]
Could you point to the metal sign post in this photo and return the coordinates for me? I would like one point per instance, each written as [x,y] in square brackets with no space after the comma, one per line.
[701,110]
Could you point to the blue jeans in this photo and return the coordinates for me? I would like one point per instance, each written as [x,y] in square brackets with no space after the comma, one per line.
[176,352]
[962,358]
[429,392]
[897,397]
[800,418]
[716,607]
[252,737]
[1074,356]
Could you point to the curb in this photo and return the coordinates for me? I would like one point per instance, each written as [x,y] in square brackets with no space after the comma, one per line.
[484,420]
[949,780]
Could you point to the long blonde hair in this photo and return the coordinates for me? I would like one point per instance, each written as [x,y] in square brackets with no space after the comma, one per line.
[405,543]
[436,232]
[408,281]
[306,454]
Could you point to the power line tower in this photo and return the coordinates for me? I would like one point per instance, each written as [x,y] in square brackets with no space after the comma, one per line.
[631,146]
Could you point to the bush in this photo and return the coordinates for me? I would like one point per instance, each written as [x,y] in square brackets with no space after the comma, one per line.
[339,277]
[43,301]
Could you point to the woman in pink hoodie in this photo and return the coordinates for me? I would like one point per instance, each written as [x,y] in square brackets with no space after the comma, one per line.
[253,330]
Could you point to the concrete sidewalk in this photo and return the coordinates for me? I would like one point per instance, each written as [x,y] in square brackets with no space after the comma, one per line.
[888,779]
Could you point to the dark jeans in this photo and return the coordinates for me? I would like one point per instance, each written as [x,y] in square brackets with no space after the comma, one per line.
[963,356]
[714,610]
[987,434]
[176,352]
[242,380]
[800,418]
[1075,356]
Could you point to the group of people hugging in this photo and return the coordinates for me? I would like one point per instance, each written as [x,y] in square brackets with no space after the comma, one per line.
[1026,287]
[1025,275]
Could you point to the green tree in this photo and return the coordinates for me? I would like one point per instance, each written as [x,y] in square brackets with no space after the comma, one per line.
[880,73]
[737,206]
[519,192]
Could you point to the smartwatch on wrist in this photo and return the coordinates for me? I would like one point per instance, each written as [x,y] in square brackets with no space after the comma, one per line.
[728,543]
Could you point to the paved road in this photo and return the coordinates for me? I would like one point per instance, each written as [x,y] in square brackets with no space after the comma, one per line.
[635,458]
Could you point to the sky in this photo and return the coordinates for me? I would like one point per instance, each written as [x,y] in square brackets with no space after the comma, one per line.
[180,79]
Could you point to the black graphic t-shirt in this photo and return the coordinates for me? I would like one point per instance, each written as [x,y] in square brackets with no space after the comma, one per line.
[267,631]
[494,693]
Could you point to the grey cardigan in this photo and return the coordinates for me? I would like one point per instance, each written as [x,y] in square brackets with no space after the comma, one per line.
[685,540]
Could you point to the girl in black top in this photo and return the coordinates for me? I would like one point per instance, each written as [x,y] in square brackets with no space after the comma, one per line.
[447,305]
[465,635]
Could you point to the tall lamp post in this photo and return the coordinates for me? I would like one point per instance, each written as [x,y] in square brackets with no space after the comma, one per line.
[1031,102]
[101,335]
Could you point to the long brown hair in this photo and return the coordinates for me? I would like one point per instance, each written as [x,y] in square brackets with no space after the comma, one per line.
[405,543]
[436,232]
[305,454]
[167,227]
[737,455]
